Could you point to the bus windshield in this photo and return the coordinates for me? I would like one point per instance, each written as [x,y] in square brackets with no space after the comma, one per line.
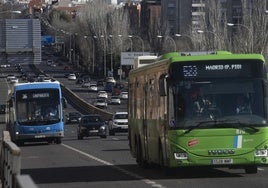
[38,107]
[219,102]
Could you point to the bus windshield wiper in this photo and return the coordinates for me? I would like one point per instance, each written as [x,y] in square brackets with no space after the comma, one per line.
[235,123]
[198,125]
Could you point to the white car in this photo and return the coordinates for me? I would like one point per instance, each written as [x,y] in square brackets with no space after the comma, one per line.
[85,85]
[119,123]
[101,103]
[115,100]
[124,95]
[93,87]
[10,76]
[71,77]
[110,80]
[102,94]
[14,80]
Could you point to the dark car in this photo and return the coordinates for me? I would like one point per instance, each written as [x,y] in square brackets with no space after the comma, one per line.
[92,125]
[73,117]
[2,109]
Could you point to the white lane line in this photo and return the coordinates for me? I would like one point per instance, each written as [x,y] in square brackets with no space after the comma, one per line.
[146,181]
[115,138]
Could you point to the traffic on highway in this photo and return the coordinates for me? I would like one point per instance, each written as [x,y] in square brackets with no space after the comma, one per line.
[102,159]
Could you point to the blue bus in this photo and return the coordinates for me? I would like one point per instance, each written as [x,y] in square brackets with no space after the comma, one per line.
[35,112]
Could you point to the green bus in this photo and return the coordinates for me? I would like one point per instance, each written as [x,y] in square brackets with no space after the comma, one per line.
[200,109]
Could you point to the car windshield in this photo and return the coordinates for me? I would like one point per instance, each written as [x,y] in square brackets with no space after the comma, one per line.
[74,114]
[121,116]
[218,101]
[91,119]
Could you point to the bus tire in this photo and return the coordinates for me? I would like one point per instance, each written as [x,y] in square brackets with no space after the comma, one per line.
[168,171]
[139,156]
[58,140]
[251,169]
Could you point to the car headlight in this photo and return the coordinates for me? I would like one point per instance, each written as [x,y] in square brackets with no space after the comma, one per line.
[261,153]
[103,127]
[180,155]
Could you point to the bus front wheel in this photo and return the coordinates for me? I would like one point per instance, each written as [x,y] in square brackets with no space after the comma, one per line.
[251,169]
[139,155]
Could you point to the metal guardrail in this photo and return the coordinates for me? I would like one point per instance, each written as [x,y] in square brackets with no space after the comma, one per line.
[83,105]
[10,158]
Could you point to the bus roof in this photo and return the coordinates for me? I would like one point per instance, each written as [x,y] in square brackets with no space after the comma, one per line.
[36,85]
[219,55]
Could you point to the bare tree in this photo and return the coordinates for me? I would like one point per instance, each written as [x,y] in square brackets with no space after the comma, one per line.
[104,26]
[251,34]
[213,32]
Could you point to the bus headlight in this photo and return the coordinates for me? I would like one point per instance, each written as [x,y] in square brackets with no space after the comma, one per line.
[180,156]
[261,153]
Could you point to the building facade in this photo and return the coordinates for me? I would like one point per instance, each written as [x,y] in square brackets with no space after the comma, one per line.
[20,41]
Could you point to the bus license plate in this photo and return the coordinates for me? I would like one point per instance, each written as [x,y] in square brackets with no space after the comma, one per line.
[39,136]
[222,161]
[93,131]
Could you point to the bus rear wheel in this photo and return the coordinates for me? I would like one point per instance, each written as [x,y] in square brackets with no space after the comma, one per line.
[139,155]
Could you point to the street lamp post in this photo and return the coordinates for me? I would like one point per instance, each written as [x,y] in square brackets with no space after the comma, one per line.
[70,50]
[142,43]
[171,39]
[74,58]
[104,56]
[131,43]
[111,43]
[184,35]
[249,31]
[214,34]
[121,47]
[93,52]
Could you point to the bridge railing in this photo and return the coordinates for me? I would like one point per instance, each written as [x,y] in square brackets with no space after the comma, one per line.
[10,166]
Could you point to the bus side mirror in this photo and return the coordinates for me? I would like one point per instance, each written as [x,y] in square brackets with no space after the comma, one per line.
[64,102]
[163,85]
[10,103]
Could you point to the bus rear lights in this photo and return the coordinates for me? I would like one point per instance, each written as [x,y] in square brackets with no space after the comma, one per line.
[261,153]
[181,156]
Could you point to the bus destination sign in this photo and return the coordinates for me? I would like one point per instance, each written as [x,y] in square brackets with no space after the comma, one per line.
[214,70]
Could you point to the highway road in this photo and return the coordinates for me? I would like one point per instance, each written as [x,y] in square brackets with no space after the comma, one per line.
[96,162]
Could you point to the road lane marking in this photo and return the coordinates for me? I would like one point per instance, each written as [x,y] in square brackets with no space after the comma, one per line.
[146,181]
[115,138]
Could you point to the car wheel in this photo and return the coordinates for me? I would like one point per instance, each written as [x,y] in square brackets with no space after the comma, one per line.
[103,136]
[111,132]
[79,137]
